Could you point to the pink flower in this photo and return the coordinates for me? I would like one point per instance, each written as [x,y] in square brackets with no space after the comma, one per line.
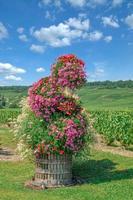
[46,98]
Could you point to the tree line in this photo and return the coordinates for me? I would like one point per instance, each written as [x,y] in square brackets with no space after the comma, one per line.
[2,101]
[102,84]
[112,84]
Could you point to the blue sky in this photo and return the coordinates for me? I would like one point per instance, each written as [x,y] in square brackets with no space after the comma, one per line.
[33,33]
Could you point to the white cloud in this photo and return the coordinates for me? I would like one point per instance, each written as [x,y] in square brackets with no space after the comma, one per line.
[83,3]
[82,15]
[129,21]
[3,31]
[62,34]
[110,21]
[40,69]
[46,2]
[48,15]
[73,3]
[117,2]
[94,3]
[78,24]
[95,36]
[56,3]
[108,38]
[23,37]
[99,1]
[37,48]
[98,73]
[32,30]
[12,77]
[130,4]
[20,30]
[7,68]
[56,36]
[77,3]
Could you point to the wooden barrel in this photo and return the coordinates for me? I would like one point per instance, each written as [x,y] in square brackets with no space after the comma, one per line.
[54,170]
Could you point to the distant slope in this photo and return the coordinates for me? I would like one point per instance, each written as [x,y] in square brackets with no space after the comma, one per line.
[96,98]
[105,95]
[13,95]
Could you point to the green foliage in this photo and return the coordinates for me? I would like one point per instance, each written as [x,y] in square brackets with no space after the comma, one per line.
[114,125]
[112,84]
[32,129]
[58,66]
[33,133]
[2,101]
[7,115]
[13,104]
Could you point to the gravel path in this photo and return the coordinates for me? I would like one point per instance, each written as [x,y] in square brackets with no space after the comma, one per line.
[7,154]
[100,145]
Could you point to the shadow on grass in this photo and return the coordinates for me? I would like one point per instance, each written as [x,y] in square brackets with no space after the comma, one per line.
[99,171]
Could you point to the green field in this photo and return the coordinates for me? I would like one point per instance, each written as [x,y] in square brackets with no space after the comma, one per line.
[95,98]
[112,120]
[106,176]
[13,95]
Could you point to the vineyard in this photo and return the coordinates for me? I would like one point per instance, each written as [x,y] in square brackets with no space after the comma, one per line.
[110,106]
[115,126]
[7,115]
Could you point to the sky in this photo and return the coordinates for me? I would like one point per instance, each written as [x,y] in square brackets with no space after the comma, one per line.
[33,33]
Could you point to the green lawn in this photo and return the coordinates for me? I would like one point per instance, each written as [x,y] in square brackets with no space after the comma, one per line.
[107,177]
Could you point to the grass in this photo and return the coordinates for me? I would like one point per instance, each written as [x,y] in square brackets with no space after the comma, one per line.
[107,177]
[95,98]
[6,138]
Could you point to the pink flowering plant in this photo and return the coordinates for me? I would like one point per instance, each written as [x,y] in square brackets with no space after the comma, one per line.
[69,71]
[59,124]
[65,135]
[46,97]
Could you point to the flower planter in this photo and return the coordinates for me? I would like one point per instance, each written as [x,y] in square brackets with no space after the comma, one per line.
[55,122]
[53,170]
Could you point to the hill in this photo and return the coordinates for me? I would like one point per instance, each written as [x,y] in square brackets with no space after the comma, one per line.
[95,98]
[11,95]
[106,95]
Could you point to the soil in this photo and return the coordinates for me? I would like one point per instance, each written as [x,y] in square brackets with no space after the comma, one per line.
[7,154]
[100,145]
